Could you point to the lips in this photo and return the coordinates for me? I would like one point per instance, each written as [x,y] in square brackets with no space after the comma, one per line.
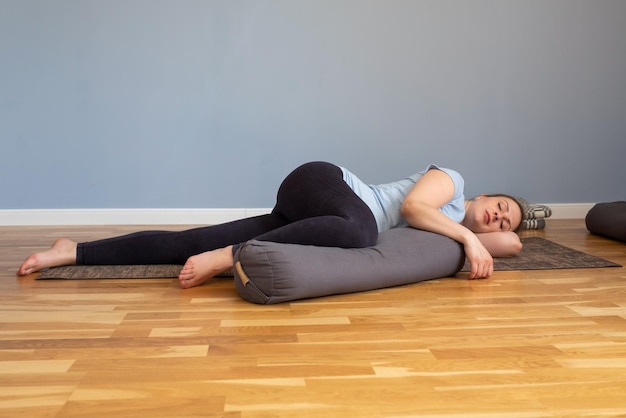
[487,217]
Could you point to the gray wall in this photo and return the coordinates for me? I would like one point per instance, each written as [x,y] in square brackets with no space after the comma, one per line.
[191,104]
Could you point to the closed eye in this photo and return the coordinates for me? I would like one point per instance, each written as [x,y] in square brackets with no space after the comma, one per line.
[504,207]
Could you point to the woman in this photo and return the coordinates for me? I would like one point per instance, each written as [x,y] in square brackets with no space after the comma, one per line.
[318,204]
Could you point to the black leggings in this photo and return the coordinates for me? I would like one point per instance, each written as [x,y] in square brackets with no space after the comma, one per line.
[314,206]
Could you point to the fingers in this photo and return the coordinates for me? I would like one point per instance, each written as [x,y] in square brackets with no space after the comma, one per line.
[481,269]
[481,262]
[481,272]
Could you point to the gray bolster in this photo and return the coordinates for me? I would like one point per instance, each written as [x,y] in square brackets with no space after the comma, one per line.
[268,272]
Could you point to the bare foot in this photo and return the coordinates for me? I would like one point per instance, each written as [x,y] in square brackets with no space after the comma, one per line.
[62,253]
[200,268]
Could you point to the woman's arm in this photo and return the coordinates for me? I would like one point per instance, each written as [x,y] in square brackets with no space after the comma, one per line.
[501,244]
[421,210]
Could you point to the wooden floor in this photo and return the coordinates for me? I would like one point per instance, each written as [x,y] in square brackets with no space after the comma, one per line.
[521,344]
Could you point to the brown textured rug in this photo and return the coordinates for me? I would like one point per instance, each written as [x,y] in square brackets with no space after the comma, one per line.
[541,254]
[157,271]
[537,254]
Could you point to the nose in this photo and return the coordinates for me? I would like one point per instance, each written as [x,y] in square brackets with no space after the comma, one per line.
[502,217]
[499,216]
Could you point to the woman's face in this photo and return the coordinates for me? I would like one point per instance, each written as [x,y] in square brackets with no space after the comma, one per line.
[492,214]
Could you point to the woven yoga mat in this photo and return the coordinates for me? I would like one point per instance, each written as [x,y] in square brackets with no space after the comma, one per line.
[157,271]
[541,254]
[537,254]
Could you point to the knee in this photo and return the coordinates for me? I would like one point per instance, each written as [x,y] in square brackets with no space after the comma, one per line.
[360,235]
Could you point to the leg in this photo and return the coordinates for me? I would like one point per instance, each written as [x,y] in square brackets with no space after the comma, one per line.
[173,247]
[150,247]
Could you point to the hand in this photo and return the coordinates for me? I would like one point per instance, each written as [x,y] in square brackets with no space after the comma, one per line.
[481,262]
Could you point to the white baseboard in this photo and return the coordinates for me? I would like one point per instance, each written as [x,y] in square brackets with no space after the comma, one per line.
[51,217]
[569,210]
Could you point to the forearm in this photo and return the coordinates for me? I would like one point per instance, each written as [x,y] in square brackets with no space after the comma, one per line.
[501,244]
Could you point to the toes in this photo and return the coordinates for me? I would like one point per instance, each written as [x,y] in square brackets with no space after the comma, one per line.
[28,266]
[186,283]
[195,272]
[186,273]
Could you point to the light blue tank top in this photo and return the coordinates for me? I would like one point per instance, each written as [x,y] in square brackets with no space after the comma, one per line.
[385,200]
